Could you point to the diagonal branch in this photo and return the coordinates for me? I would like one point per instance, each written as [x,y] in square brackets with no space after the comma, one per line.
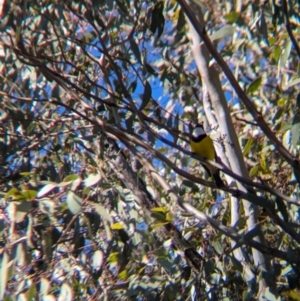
[288,27]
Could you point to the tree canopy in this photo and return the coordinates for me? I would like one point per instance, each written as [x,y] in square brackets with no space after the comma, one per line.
[101,197]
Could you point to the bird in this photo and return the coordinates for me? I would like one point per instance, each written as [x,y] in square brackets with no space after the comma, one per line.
[203,145]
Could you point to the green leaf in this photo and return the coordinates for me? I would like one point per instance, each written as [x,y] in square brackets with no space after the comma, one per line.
[247,295]
[159,216]
[113,257]
[254,86]
[74,202]
[165,262]
[31,292]
[296,124]
[12,192]
[293,82]
[254,170]
[232,17]
[222,33]
[158,225]
[295,131]
[135,49]
[157,19]
[160,209]
[132,87]
[276,53]
[247,147]
[217,246]
[146,95]
[92,180]
[71,178]
[123,275]
[26,173]
[150,69]
[263,163]
[28,195]
[241,223]
[286,53]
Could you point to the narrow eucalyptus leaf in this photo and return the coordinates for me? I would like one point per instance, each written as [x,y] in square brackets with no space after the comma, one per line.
[74,202]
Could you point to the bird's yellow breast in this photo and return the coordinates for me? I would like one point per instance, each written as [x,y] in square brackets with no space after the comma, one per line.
[204,148]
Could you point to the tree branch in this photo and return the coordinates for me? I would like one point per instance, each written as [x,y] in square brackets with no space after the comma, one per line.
[288,27]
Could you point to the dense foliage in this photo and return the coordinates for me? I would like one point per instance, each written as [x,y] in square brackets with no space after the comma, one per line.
[101,198]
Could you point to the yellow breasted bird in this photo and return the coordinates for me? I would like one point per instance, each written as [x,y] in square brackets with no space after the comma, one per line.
[202,145]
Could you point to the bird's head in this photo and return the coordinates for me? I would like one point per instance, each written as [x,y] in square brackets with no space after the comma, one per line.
[198,130]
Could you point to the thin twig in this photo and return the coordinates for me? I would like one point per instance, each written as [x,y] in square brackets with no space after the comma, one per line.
[288,27]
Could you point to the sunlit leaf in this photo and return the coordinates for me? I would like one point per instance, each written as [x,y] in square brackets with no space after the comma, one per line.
[254,86]
[293,82]
[47,205]
[160,209]
[248,146]
[31,292]
[4,259]
[25,173]
[254,170]
[11,192]
[286,52]
[46,189]
[116,226]
[113,257]
[222,33]
[97,260]
[49,298]
[92,179]
[74,202]
[295,130]
[66,293]
[28,194]
[123,275]
[44,286]
[158,225]
[18,210]
[101,211]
